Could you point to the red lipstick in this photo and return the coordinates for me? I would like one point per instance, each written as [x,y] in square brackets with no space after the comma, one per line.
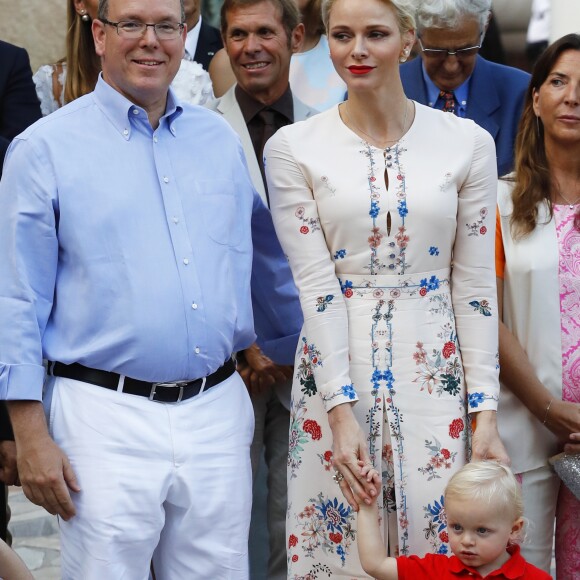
[360,69]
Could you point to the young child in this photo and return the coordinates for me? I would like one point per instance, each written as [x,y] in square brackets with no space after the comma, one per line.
[484,510]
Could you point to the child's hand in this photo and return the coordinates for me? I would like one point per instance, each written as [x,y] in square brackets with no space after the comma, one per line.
[370,473]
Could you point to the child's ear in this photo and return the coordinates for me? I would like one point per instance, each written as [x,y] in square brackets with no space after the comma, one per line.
[516,533]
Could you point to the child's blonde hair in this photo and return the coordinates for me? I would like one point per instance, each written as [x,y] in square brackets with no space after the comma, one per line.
[489,482]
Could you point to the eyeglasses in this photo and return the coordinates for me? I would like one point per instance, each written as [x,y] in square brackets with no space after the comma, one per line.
[136,28]
[443,53]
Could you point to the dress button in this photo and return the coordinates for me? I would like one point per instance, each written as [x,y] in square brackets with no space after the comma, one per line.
[391,266]
[392,256]
[185,261]
[389,164]
[389,156]
[194,306]
[166,179]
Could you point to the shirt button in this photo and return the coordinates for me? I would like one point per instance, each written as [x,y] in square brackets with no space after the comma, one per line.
[125,132]
[185,261]
[166,179]
[194,306]
[197,350]
[155,139]
[175,220]
[135,111]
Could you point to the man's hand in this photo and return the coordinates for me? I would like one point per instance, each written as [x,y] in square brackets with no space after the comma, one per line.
[260,372]
[8,470]
[44,470]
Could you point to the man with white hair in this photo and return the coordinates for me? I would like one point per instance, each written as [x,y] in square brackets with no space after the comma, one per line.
[453,77]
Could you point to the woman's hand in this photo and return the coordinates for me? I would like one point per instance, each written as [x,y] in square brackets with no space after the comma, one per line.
[563,419]
[486,443]
[573,445]
[349,447]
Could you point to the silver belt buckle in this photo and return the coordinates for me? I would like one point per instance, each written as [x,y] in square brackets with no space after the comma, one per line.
[180,384]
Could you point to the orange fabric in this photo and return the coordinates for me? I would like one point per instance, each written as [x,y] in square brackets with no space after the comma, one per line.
[499,252]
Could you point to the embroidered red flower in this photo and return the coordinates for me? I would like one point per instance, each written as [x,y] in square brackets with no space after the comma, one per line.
[304,230]
[423,291]
[448,349]
[313,428]
[483,230]
[456,428]
[373,178]
[348,292]
[328,456]
[292,541]
[446,453]
[400,177]
[444,537]
[295,558]
[336,538]
[314,360]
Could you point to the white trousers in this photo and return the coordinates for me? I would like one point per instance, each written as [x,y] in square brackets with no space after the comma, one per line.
[170,481]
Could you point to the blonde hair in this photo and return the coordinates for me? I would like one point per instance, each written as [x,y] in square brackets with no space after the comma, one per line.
[404,10]
[490,483]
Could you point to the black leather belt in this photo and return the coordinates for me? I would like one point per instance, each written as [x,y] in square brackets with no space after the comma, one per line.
[171,392]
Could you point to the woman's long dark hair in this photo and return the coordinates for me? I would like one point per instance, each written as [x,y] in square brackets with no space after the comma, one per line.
[533,182]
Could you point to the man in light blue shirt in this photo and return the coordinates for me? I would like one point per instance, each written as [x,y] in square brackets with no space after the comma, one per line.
[125,260]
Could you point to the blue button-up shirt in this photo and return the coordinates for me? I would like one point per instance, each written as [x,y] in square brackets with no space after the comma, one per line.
[129,249]
[461,94]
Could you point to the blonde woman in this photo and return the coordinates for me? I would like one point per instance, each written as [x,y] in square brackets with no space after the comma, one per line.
[372,200]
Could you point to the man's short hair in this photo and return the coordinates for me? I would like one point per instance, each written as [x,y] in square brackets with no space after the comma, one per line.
[290,13]
[450,13]
[103,11]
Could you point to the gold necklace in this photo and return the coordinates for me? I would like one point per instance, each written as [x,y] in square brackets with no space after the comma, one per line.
[345,109]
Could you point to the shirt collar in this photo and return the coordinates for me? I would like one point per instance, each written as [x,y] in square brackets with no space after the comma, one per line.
[513,569]
[461,92]
[251,107]
[122,112]
[192,39]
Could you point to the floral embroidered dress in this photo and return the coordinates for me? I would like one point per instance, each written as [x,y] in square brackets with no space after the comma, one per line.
[371,235]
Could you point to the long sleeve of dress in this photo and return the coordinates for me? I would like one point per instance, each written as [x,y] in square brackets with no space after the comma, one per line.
[474,293]
[295,213]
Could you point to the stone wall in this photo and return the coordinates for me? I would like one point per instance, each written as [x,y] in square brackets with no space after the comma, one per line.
[37,25]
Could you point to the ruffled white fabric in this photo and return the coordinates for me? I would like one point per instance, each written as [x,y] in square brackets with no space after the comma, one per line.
[43,82]
[192,84]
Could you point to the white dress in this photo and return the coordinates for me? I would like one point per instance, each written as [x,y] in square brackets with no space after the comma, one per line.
[386,324]
[192,84]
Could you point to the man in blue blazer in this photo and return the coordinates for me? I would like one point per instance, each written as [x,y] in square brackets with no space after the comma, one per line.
[19,107]
[450,75]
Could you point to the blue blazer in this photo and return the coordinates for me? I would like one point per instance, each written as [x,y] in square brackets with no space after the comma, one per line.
[19,106]
[496,100]
[208,43]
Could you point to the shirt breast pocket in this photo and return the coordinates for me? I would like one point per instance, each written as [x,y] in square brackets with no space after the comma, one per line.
[218,207]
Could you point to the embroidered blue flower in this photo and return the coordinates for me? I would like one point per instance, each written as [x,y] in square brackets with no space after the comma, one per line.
[442,549]
[434,251]
[347,285]
[340,552]
[322,302]
[335,516]
[436,510]
[339,254]
[348,391]
[374,211]
[402,207]
[475,399]
[431,284]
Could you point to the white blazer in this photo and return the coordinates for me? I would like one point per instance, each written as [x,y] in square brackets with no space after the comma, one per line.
[531,310]
[228,107]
